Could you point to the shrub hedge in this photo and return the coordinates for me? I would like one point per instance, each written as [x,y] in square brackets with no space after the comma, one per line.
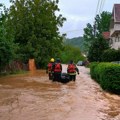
[107,75]
[110,55]
[92,67]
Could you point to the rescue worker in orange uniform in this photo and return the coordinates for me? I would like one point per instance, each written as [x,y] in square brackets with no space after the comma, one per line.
[57,68]
[72,70]
[49,69]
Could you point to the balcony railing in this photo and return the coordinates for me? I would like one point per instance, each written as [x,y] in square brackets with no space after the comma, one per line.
[114,30]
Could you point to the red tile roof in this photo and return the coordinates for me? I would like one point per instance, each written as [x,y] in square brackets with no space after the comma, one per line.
[106,35]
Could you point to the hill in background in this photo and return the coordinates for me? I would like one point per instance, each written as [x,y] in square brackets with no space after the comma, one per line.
[77,42]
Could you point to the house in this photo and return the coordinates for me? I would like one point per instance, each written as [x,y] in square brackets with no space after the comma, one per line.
[115,27]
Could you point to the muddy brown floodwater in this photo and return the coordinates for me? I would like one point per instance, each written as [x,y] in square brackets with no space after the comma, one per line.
[32,96]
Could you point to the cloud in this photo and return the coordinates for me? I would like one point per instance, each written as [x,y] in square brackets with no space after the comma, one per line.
[78,7]
[80,12]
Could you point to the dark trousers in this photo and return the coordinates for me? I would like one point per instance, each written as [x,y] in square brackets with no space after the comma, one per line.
[50,76]
[72,77]
[57,77]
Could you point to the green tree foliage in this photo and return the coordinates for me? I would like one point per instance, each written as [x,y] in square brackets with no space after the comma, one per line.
[88,36]
[111,55]
[77,42]
[96,49]
[7,46]
[93,35]
[71,53]
[102,22]
[35,27]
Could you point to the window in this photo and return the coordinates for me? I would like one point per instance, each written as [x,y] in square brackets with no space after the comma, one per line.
[115,39]
[118,39]
[111,41]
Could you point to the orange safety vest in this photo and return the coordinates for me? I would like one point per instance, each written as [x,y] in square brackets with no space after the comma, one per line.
[57,67]
[71,68]
[49,66]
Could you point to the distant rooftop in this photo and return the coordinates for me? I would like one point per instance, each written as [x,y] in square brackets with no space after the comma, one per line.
[116,12]
[106,35]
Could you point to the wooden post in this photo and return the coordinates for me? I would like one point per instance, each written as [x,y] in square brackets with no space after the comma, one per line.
[32,65]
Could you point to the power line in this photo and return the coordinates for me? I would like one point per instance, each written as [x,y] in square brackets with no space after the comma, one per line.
[103,5]
[100,6]
[97,7]
[73,31]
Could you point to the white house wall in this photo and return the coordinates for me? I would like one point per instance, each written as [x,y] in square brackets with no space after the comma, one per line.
[116,28]
[115,43]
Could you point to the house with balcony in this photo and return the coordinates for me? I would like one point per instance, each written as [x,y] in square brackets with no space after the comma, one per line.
[115,27]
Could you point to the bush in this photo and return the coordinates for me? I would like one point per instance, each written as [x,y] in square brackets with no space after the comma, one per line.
[110,55]
[107,75]
[92,68]
[111,78]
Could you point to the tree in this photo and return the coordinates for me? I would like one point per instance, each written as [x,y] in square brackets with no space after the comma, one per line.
[102,24]
[96,49]
[7,46]
[71,53]
[35,27]
[93,35]
[88,36]
[110,55]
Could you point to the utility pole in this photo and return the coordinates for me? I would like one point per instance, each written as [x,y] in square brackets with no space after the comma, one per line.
[94,29]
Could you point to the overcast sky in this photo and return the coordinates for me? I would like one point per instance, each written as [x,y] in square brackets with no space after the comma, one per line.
[78,13]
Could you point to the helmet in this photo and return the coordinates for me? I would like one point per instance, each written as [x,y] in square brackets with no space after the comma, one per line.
[58,60]
[71,61]
[52,60]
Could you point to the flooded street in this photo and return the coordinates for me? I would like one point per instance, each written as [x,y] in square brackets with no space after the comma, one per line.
[32,96]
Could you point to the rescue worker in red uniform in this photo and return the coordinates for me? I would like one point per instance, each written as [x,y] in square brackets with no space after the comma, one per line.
[57,68]
[72,70]
[49,69]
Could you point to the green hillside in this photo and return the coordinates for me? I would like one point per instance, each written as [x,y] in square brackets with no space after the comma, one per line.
[77,41]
